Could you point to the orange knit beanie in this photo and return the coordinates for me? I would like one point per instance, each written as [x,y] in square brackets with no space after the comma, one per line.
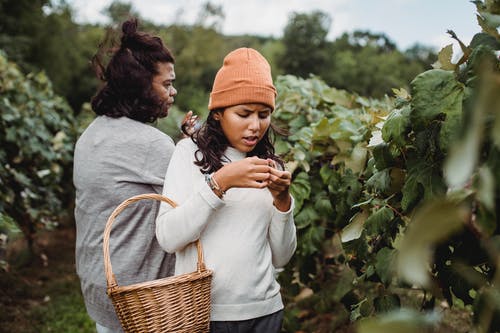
[245,77]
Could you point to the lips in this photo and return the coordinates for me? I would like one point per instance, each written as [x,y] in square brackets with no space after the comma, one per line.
[250,140]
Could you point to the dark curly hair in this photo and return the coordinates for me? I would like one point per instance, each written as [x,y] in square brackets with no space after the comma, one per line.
[127,89]
[212,144]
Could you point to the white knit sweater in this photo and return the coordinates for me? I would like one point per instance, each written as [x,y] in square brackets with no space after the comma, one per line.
[244,237]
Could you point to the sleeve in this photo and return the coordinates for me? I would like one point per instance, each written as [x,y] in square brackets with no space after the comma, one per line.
[282,236]
[184,184]
[159,153]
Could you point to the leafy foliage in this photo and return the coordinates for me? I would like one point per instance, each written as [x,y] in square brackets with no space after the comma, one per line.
[398,191]
[37,134]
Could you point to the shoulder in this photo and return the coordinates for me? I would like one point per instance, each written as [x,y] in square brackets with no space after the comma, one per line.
[184,153]
[186,145]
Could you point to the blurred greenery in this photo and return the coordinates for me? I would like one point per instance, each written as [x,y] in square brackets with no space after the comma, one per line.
[43,35]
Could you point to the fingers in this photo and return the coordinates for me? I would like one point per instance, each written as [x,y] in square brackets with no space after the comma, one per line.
[279,181]
[280,176]
[189,122]
[188,116]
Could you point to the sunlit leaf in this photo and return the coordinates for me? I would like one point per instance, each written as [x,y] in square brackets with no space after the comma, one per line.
[462,159]
[433,222]
[355,227]
[396,126]
[486,189]
[444,59]
[376,139]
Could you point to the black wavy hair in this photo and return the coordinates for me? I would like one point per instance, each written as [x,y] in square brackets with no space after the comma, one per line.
[127,89]
[212,144]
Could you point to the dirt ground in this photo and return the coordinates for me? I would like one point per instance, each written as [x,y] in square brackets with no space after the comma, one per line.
[32,282]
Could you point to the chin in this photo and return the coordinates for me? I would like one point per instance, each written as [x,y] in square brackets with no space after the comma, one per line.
[245,149]
[163,112]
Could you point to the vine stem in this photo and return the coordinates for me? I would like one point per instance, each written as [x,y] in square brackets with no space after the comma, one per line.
[395,210]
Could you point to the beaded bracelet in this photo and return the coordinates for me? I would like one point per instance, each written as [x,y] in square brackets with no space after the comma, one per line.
[214,186]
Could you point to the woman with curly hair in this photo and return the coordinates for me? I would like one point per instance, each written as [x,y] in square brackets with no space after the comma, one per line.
[120,155]
[233,195]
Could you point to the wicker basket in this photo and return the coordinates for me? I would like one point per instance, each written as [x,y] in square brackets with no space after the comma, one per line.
[174,304]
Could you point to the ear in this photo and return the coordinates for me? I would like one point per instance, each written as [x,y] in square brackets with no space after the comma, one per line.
[217,115]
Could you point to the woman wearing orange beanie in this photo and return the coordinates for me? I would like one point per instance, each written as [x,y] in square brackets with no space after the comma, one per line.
[233,194]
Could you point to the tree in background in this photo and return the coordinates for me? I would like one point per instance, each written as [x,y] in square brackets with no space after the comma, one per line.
[361,61]
[20,21]
[425,55]
[305,44]
[370,64]
[120,11]
[41,35]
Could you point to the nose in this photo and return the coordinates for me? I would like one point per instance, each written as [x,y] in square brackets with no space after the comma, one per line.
[254,123]
[173,91]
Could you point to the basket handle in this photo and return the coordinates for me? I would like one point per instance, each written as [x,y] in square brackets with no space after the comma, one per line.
[110,277]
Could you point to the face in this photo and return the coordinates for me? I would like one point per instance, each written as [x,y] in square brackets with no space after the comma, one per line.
[163,86]
[244,125]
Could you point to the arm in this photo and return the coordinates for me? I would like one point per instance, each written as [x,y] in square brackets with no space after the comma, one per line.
[176,228]
[282,236]
[282,233]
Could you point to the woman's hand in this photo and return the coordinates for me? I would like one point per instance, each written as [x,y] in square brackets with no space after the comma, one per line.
[255,172]
[189,124]
[279,184]
[249,172]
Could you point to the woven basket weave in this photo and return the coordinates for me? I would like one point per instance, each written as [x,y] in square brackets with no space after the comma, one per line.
[174,304]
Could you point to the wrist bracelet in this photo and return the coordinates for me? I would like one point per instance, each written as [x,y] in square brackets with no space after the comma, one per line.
[214,186]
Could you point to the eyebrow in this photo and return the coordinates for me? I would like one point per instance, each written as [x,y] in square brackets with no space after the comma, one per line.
[258,111]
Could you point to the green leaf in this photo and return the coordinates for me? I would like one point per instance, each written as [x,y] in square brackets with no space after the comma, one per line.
[397,125]
[436,92]
[379,221]
[300,189]
[434,221]
[361,310]
[383,157]
[379,181]
[421,182]
[355,159]
[322,130]
[311,240]
[306,217]
[322,204]
[384,264]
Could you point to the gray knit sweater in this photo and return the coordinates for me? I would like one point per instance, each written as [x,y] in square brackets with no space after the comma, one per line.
[114,160]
